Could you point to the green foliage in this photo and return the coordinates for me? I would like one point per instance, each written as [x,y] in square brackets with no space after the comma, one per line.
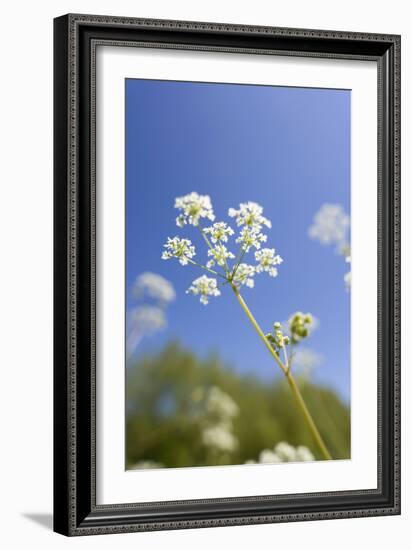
[162,425]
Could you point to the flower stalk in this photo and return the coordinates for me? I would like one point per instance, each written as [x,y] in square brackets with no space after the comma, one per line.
[290,379]
[250,221]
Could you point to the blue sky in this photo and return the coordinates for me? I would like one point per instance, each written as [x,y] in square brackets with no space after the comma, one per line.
[287,149]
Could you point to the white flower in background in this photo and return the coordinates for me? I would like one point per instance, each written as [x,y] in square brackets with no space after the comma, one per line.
[251,236]
[216,412]
[153,286]
[147,465]
[304,454]
[204,287]
[250,214]
[219,232]
[330,225]
[306,359]
[219,255]
[179,248]
[221,404]
[193,207]
[268,456]
[220,437]
[148,318]
[267,260]
[244,275]
[284,452]
[144,320]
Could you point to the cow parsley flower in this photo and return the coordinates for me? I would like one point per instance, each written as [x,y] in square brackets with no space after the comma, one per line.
[330,225]
[220,437]
[300,326]
[204,287]
[277,338]
[221,404]
[147,465]
[268,456]
[250,214]
[267,260]
[219,232]
[284,452]
[251,236]
[153,285]
[244,276]
[178,248]
[219,255]
[193,207]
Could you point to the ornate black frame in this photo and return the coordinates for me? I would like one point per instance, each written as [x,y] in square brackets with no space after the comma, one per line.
[76,38]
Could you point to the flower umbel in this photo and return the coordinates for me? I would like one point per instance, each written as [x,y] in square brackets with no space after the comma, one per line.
[267,260]
[300,326]
[250,214]
[178,248]
[251,236]
[219,255]
[244,276]
[330,225]
[219,232]
[193,207]
[277,338]
[204,287]
[249,218]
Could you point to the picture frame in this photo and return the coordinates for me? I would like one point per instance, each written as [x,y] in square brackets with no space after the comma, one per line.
[76,308]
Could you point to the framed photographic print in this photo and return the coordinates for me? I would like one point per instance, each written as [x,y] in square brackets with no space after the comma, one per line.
[227,278]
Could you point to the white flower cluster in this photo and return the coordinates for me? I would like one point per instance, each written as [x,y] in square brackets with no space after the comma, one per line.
[331,225]
[218,412]
[251,236]
[204,287]
[249,214]
[178,248]
[267,260]
[219,255]
[147,465]
[244,275]
[153,286]
[220,437]
[284,452]
[249,219]
[219,232]
[154,293]
[221,404]
[193,207]
[148,318]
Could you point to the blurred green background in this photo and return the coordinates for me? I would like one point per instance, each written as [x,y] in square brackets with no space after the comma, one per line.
[174,397]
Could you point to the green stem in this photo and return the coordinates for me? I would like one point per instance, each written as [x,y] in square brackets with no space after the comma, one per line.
[310,421]
[257,328]
[210,246]
[290,379]
[206,268]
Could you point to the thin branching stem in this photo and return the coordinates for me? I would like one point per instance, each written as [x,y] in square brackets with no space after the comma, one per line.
[206,268]
[290,379]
